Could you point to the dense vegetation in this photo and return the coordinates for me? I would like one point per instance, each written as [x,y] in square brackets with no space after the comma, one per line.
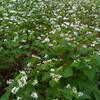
[49,49]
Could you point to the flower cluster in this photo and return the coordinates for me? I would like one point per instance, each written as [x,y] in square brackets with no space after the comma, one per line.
[55,99]
[50,60]
[34,95]
[10,81]
[15,90]
[35,82]
[28,64]
[35,56]
[57,34]
[74,89]
[19,98]
[22,82]
[55,76]
[46,40]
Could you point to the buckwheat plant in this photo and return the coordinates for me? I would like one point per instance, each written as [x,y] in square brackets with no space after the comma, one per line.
[50,49]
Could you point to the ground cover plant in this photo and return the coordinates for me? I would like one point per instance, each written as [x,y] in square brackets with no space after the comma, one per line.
[49,49]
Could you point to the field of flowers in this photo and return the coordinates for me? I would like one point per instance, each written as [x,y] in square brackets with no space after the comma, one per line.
[50,49]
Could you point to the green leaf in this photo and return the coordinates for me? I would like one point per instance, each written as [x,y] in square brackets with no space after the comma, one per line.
[74,64]
[46,76]
[25,46]
[50,64]
[53,92]
[66,93]
[64,44]
[44,67]
[10,59]
[18,77]
[72,55]
[96,94]
[5,96]
[4,66]
[97,59]
[30,36]
[82,51]
[86,86]
[73,45]
[28,98]
[52,83]
[90,73]
[79,65]
[67,72]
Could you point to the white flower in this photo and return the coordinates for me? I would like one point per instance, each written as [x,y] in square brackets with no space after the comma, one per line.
[29,64]
[74,7]
[89,67]
[23,40]
[20,46]
[42,35]
[47,40]
[14,90]
[59,76]
[50,45]
[59,16]
[54,40]
[70,11]
[95,42]
[65,18]
[34,95]
[84,46]
[35,82]
[67,23]
[39,38]
[51,74]
[52,70]
[60,68]
[5,39]
[55,99]
[22,72]
[37,71]
[67,39]
[33,56]
[44,62]
[19,98]
[87,60]
[49,60]
[80,94]
[38,64]
[56,79]
[62,34]
[97,29]
[70,2]
[29,31]
[69,43]
[38,58]
[13,0]
[68,86]
[43,41]
[92,45]
[74,90]
[10,81]
[45,56]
